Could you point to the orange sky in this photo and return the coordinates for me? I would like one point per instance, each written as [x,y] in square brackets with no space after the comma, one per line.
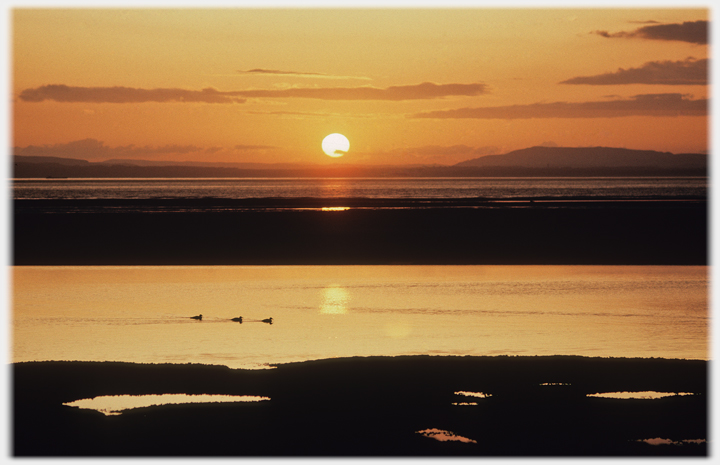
[404,85]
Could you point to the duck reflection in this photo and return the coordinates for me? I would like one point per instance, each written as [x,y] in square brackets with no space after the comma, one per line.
[335,300]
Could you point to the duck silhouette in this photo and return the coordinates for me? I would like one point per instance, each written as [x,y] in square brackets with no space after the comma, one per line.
[238,319]
[197,317]
[267,320]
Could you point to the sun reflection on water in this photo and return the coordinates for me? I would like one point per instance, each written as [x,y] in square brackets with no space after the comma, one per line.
[335,300]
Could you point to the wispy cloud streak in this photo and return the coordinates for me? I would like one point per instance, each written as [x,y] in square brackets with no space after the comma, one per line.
[638,105]
[276,72]
[695,32]
[426,90]
[93,149]
[63,93]
[304,114]
[255,147]
[684,72]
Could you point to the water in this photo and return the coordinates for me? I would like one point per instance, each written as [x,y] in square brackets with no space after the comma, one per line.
[115,405]
[141,314]
[393,188]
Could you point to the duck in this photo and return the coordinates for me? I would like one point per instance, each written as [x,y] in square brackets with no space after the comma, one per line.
[197,317]
[267,320]
[238,319]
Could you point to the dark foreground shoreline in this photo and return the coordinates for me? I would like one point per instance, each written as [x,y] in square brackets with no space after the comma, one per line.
[368,406]
[578,231]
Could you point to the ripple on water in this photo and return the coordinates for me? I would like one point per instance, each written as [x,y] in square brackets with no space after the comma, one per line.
[639,394]
[444,435]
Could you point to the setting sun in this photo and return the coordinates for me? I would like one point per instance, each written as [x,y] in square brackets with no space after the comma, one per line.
[335,145]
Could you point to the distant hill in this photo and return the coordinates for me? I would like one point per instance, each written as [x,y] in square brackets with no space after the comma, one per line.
[589,157]
[58,160]
[533,161]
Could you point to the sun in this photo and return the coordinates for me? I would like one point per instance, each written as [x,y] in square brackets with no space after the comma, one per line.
[335,145]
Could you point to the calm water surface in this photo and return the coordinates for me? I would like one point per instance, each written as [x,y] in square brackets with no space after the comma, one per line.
[443,188]
[141,314]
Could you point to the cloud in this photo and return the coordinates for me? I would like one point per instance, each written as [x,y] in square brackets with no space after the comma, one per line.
[460,149]
[304,114]
[76,149]
[93,149]
[275,72]
[254,147]
[289,113]
[150,150]
[63,93]
[426,90]
[695,32]
[687,72]
[638,105]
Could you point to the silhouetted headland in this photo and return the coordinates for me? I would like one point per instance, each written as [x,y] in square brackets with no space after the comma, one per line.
[369,406]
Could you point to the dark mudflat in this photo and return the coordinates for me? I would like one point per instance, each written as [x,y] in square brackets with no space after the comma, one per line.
[578,231]
[368,407]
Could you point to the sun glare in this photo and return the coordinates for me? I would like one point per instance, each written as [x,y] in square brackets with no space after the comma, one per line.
[335,145]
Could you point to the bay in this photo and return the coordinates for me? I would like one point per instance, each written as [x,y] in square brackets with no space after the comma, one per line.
[142,314]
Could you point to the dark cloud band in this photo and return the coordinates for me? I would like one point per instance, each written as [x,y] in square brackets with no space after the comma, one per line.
[639,105]
[686,72]
[426,90]
[63,93]
[93,149]
[694,32]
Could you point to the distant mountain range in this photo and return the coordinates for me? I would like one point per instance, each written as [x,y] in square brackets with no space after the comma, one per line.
[533,161]
[589,157]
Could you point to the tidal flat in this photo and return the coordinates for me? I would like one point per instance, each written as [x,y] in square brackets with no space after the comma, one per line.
[616,231]
[503,406]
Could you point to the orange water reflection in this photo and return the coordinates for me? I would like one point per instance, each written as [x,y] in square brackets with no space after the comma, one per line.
[114,405]
[443,435]
[639,395]
[481,395]
[666,441]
